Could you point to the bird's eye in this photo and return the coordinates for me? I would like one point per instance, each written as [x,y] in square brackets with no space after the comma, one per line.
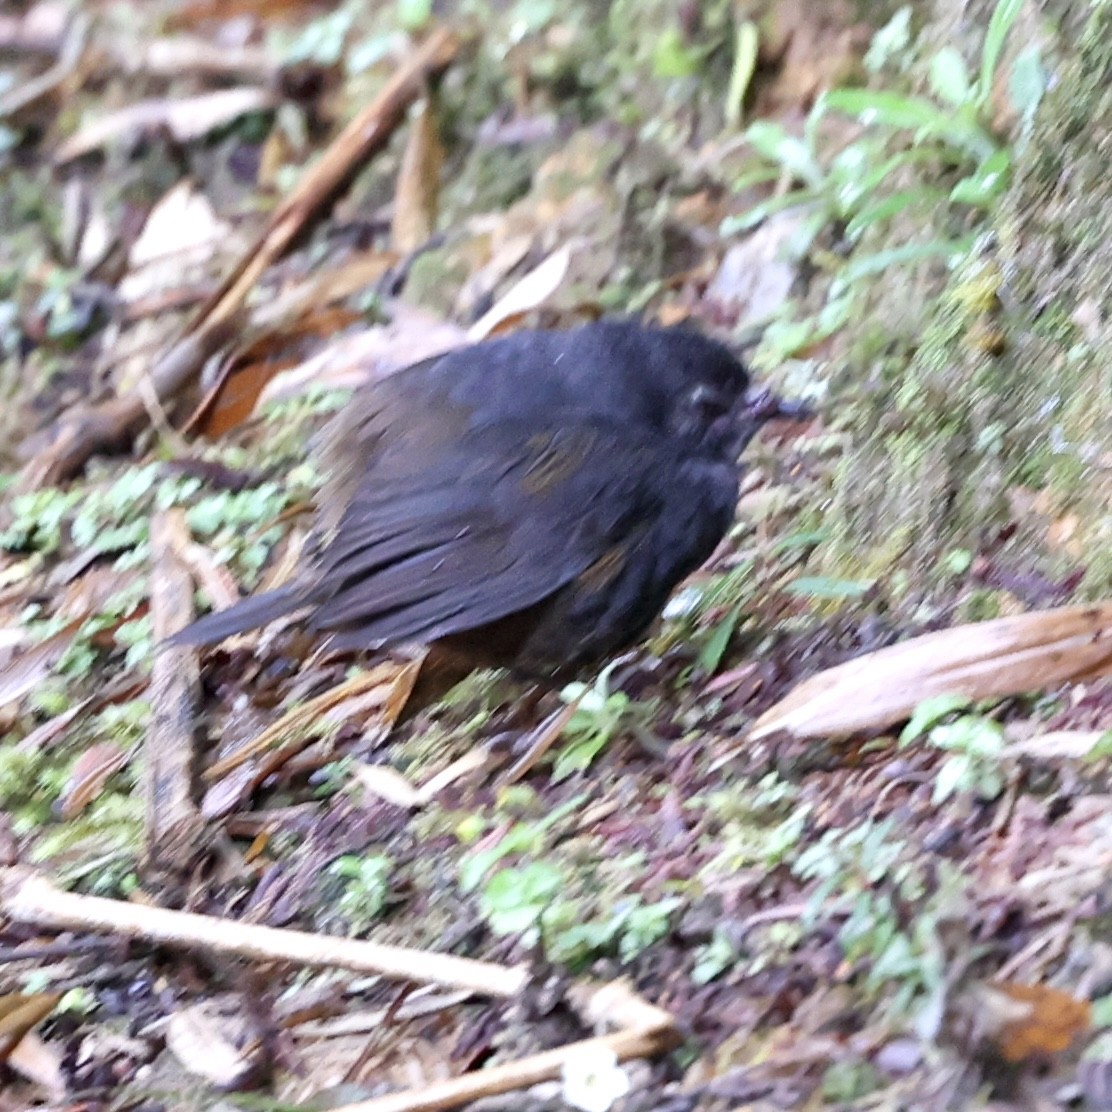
[709,404]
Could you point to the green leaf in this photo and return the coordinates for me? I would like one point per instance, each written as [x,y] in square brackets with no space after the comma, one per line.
[872,106]
[824,587]
[513,899]
[980,189]
[953,775]
[1003,16]
[887,207]
[672,57]
[929,713]
[806,538]
[414,14]
[1102,747]
[868,265]
[852,192]
[759,213]
[1102,1011]
[890,41]
[762,176]
[772,142]
[746,43]
[949,77]
[972,734]
[1027,83]
[710,657]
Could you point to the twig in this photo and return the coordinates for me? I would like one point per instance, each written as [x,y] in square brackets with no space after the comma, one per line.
[28,898]
[173,821]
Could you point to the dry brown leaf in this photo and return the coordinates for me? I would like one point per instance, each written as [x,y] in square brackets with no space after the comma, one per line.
[45,734]
[474,760]
[531,292]
[390,785]
[264,11]
[308,296]
[41,1063]
[302,318]
[1030,1021]
[90,772]
[982,660]
[412,335]
[1057,745]
[25,672]
[19,1013]
[178,55]
[176,245]
[417,193]
[302,722]
[186,119]
[87,428]
[400,693]
[386,783]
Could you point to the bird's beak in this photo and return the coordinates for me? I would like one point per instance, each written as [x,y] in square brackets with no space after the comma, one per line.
[758,407]
[763,405]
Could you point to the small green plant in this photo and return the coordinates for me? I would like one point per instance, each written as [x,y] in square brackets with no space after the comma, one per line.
[514,899]
[974,744]
[601,714]
[890,916]
[850,188]
[522,838]
[572,936]
[367,888]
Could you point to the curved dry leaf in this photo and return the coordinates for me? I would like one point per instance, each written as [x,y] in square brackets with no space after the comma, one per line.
[1057,745]
[411,336]
[1030,1021]
[180,235]
[20,1012]
[417,192]
[40,1062]
[25,672]
[387,784]
[982,660]
[531,292]
[186,119]
[90,772]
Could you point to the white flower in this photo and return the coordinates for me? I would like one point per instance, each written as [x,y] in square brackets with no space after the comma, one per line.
[593,1080]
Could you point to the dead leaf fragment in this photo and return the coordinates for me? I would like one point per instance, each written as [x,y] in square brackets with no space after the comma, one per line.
[531,292]
[216,1040]
[982,660]
[25,672]
[417,194]
[186,119]
[90,772]
[19,1013]
[1027,1022]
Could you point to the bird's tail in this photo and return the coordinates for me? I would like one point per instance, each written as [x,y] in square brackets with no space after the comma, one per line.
[245,615]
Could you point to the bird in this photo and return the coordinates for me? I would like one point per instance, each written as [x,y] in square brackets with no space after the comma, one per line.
[527,502]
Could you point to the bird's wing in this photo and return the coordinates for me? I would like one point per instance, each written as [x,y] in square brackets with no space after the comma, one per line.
[516,513]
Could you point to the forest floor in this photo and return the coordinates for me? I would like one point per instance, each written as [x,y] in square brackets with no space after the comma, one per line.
[198,263]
